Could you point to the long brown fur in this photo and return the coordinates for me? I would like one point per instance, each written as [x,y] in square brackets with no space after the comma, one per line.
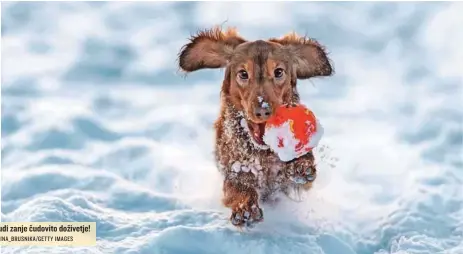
[253,174]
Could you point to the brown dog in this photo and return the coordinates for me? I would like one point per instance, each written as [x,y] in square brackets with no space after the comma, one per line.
[259,76]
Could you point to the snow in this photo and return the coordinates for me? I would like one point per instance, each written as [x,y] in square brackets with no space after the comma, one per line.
[97,125]
[316,136]
[245,169]
[287,152]
[236,167]
[271,138]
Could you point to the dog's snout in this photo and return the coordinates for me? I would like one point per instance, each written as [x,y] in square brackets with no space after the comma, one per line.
[262,113]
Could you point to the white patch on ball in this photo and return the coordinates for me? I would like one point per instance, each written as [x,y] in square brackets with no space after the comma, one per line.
[288,152]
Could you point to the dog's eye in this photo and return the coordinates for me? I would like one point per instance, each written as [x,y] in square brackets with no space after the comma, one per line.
[278,72]
[243,74]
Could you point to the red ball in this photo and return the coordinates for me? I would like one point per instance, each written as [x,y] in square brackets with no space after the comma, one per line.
[292,131]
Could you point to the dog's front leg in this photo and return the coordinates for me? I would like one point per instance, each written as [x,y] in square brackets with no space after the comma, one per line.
[302,170]
[243,200]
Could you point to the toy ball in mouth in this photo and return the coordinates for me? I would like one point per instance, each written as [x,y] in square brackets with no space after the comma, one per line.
[292,131]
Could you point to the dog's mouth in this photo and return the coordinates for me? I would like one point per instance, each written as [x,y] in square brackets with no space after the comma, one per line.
[257,131]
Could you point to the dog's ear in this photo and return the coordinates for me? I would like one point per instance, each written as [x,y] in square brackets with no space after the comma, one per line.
[210,48]
[309,57]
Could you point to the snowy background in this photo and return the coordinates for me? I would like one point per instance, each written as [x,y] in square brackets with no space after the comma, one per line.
[97,125]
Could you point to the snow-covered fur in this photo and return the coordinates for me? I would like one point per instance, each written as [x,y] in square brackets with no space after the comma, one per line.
[252,172]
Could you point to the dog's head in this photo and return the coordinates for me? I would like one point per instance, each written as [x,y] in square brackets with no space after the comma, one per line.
[260,75]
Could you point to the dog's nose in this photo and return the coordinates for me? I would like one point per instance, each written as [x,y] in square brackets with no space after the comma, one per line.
[263,113]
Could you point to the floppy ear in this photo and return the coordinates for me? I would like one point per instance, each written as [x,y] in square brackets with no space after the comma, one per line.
[209,49]
[309,57]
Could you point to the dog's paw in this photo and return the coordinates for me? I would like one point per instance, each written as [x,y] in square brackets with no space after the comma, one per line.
[303,176]
[247,216]
[302,170]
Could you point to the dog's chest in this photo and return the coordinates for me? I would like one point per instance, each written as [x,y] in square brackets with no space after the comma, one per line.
[266,177]
[244,161]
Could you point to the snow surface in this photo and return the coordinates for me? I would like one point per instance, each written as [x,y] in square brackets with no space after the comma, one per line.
[98,125]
